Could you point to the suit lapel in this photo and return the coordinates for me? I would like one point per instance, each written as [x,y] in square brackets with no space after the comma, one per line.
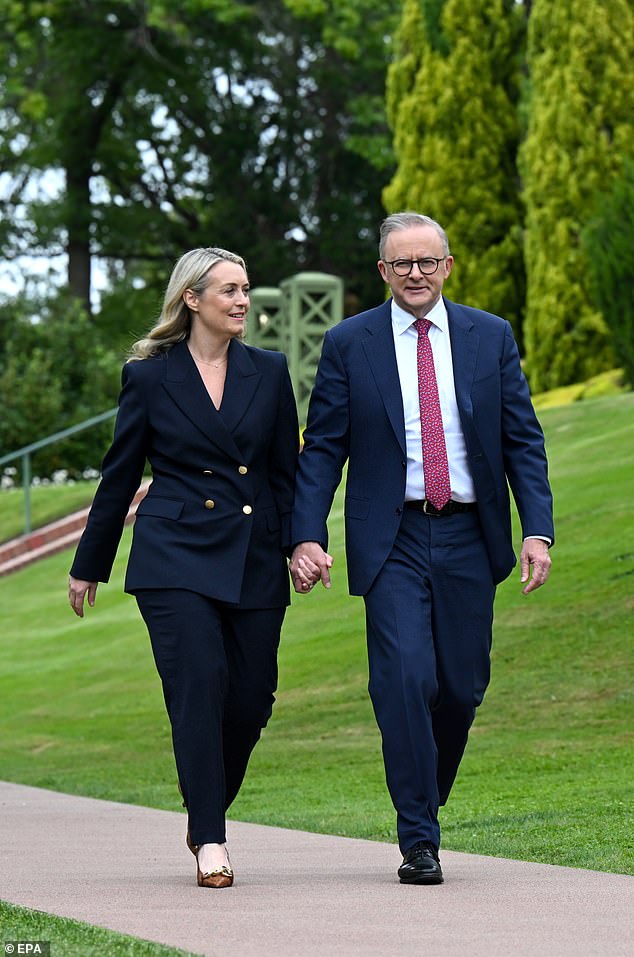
[381,355]
[241,384]
[187,390]
[465,342]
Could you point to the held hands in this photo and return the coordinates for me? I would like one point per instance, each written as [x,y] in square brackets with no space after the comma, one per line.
[310,563]
[77,590]
[535,556]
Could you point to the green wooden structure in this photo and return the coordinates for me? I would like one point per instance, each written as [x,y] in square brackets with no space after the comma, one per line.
[293,318]
[264,322]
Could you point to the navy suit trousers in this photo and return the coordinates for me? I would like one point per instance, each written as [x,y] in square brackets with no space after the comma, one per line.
[429,617]
[218,667]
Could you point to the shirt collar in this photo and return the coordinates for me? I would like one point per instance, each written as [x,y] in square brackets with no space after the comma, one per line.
[402,320]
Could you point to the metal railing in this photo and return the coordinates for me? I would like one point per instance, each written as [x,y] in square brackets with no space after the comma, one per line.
[25,455]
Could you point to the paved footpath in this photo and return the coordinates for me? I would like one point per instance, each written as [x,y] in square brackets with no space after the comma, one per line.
[296,894]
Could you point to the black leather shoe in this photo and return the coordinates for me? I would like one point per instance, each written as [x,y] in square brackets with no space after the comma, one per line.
[421,865]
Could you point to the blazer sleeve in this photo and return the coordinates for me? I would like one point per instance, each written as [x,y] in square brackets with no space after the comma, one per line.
[525,461]
[282,456]
[326,447]
[122,472]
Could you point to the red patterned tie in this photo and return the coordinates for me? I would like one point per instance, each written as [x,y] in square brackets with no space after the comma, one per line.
[435,465]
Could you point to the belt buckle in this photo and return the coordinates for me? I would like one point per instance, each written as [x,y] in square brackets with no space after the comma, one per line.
[435,512]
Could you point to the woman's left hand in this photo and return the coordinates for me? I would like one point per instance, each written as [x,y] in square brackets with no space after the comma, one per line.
[77,591]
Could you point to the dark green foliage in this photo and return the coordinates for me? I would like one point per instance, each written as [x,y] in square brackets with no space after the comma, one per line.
[258,127]
[579,134]
[54,374]
[608,241]
[261,127]
[432,16]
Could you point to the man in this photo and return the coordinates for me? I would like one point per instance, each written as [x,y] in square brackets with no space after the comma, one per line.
[427,402]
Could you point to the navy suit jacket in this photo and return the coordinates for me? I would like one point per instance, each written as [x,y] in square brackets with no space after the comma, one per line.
[356,414]
[216,518]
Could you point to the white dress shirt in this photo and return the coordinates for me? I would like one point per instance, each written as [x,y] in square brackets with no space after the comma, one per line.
[406,343]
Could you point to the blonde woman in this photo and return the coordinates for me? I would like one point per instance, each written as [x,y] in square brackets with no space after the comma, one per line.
[217,421]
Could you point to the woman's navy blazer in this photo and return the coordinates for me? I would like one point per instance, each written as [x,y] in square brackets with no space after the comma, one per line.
[216,516]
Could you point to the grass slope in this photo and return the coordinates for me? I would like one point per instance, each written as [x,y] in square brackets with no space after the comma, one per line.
[72,938]
[547,775]
[48,503]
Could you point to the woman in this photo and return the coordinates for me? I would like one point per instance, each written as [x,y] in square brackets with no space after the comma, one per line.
[218,423]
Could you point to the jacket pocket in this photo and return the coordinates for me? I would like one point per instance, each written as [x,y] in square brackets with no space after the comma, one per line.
[160,507]
[357,507]
[272,519]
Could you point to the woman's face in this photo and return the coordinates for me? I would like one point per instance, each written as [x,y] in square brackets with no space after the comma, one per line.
[221,310]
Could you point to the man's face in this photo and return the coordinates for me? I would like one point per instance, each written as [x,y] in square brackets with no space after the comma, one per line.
[416,293]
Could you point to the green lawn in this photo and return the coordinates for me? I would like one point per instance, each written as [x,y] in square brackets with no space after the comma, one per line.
[548,771]
[48,503]
[72,938]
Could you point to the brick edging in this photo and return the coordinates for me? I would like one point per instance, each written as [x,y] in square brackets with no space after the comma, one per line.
[52,538]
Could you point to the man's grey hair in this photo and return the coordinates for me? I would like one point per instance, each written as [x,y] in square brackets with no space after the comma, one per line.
[405,221]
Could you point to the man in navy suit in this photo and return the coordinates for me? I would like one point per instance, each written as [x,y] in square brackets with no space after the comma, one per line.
[426,565]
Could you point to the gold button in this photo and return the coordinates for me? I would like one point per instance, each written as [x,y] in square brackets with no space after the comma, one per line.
[247,509]
[242,469]
[210,503]
[207,472]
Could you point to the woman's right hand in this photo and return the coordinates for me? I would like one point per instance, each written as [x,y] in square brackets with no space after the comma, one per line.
[77,590]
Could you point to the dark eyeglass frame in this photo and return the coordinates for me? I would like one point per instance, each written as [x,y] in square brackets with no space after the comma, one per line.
[425,272]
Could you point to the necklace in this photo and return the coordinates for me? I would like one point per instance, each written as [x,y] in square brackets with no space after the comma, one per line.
[207,362]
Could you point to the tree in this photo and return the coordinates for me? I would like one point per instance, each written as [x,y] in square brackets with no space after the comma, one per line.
[66,69]
[54,374]
[608,244]
[452,98]
[257,126]
[579,133]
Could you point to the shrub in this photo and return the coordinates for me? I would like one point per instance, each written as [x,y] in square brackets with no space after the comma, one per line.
[55,373]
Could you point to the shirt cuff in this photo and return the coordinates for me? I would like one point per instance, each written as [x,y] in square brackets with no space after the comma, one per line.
[542,538]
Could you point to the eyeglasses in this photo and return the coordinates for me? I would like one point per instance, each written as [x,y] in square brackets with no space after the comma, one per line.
[403,267]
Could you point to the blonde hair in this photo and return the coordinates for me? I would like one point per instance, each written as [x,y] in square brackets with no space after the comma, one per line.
[174,323]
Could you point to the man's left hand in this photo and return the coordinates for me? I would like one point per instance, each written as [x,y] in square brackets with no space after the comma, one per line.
[536,558]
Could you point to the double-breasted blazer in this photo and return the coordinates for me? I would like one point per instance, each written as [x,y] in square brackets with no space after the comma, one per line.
[356,414]
[216,517]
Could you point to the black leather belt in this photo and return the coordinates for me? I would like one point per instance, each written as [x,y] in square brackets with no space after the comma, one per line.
[451,508]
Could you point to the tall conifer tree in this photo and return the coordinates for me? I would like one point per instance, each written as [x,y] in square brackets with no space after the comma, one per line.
[608,240]
[452,101]
[580,129]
